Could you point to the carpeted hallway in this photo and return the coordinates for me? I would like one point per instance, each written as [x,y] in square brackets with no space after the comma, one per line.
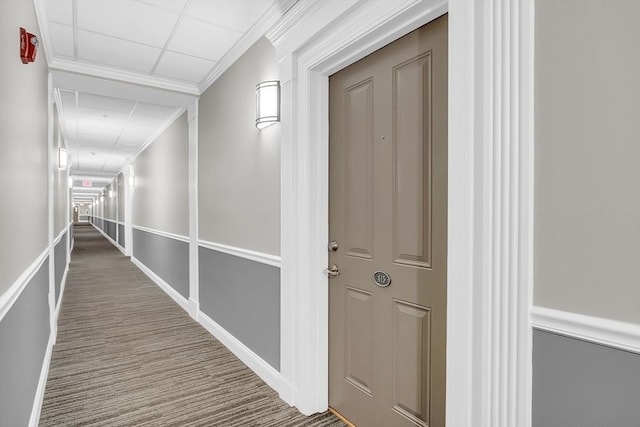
[127,355]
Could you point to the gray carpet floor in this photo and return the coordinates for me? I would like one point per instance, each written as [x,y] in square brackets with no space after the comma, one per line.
[128,355]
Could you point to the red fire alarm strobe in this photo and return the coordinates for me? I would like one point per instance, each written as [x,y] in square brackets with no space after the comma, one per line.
[28,46]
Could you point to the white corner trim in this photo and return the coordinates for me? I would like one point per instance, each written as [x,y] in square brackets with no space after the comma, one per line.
[123,76]
[36,409]
[12,294]
[612,333]
[162,233]
[261,257]
[244,353]
[182,302]
[194,266]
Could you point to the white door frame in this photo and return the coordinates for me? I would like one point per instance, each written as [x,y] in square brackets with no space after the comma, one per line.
[490,221]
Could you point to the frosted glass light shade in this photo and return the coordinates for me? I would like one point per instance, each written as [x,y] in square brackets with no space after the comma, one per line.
[267,103]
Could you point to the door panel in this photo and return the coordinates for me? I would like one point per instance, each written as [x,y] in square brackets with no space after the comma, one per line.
[358,339]
[411,347]
[412,162]
[387,211]
[359,170]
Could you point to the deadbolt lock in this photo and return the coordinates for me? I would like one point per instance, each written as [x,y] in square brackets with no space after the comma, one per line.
[332,246]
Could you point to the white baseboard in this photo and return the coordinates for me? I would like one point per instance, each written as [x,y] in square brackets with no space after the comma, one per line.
[113,242]
[265,371]
[612,333]
[194,309]
[121,249]
[245,354]
[182,301]
[42,384]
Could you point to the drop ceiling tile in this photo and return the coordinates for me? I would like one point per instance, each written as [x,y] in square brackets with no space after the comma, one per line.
[105,103]
[201,39]
[134,137]
[183,67]
[172,5]
[87,161]
[145,112]
[127,19]
[61,40]
[60,11]
[114,52]
[237,15]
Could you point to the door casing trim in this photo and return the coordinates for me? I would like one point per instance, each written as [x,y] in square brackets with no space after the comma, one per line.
[490,207]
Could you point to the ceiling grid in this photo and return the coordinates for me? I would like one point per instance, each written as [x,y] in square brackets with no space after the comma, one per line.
[113,61]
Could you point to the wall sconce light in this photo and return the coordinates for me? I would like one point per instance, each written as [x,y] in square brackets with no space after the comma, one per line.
[62,159]
[267,103]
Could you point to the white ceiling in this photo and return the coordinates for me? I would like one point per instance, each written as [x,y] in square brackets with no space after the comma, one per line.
[114,60]
[169,39]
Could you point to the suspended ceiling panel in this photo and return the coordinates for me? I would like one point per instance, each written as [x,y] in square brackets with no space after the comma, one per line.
[104,133]
[176,40]
[125,69]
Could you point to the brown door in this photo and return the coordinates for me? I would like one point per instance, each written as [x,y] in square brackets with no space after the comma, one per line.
[388,215]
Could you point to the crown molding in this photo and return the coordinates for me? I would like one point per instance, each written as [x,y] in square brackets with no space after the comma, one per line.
[123,76]
[292,20]
[305,20]
[270,18]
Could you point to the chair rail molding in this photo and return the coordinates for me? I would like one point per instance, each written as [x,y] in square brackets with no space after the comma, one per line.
[612,333]
[490,194]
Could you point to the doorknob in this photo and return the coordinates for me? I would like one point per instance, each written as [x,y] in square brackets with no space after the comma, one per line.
[332,271]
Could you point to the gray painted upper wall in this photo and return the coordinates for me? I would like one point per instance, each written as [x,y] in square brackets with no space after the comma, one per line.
[587,158]
[239,165]
[161,196]
[23,146]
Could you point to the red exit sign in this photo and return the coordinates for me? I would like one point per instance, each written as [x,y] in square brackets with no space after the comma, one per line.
[86,183]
